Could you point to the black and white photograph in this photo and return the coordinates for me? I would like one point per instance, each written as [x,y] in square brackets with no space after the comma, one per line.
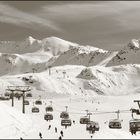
[69,70]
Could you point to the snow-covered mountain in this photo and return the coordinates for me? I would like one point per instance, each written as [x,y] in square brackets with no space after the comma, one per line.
[84,66]
[52,45]
[130,54]
[83,55]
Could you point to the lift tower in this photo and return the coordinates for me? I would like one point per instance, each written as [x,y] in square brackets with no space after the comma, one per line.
[23,90]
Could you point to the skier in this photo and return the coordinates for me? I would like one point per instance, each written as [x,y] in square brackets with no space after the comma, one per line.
[61,132]
[73,121]
[49,127]
[40,135]
[60,138]
[55,130]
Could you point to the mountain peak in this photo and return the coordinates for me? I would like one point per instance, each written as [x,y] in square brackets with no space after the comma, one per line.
[30,39]
[133,44]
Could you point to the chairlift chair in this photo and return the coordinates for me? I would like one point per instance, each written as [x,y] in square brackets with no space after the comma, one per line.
[35,110]
[7,94]
[134,125]
[38,102]
[66,122]
[49,108]
[92,126]
[48,116]
[4,98]
[28,95]
[64,114]
[115,124]
[84,120]
[26,102]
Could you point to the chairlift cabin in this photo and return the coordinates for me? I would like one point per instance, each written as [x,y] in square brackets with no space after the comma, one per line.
[84,120]
[64,114]
[26,102]
[92,126]
[28,95]
[48,117]
[35,110]
[49,108]
[115,124]
[38,102]
[66,122]
[134,125]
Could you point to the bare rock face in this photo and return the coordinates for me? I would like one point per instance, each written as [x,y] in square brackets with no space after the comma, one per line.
[86,74]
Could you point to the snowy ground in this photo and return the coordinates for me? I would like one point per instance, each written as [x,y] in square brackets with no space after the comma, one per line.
[70,83]
[32,124]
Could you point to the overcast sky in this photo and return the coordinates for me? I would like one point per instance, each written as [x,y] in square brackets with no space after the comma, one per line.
[103,24]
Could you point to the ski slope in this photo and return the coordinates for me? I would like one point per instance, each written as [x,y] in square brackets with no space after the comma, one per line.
[73,75]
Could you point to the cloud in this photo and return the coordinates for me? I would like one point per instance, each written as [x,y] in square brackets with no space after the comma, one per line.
[17,17]
[121,11]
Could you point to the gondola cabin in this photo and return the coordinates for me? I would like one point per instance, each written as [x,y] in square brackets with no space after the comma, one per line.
[92,126]
[38,102]
[64,114]
[35,110]
[26,102]
[134,125]
[48,117]
[84,120]
[28,95]
[115,124]
[49,108]
[66,122]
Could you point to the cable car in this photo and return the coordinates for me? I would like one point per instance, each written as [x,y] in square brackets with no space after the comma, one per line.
[66,122]
[26,102]
[38,102]
[28,95]
[48,116]
[92,126]
[134,125]
[115,124]
[84,120]
[49,108]
[64,114]
[35,110]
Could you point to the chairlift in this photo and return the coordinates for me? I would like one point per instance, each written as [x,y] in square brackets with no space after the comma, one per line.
[35,110]
[66,122]
[64,114]
[115,124]
[26,102]
[17,95]
[84,120]
[7,94]
[49,108]
[92,126]
[48,116]
[28,95]
[134,125]
[4,98]
[38,102]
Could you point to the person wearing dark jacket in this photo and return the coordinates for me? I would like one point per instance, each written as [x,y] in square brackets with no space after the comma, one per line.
[61,132]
